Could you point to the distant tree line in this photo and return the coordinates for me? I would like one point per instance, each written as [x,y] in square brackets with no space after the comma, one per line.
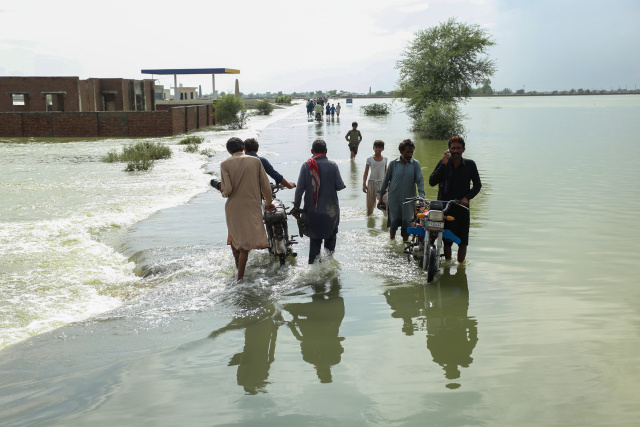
[486,89]
[315,94]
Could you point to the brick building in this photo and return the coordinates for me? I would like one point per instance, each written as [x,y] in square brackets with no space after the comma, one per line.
[70,107]
[70,94]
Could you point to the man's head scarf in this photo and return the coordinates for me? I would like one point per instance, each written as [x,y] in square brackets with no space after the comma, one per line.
[315,176]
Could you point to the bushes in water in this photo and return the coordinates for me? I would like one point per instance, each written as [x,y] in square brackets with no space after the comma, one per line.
[139,156]
[191,140]
[284,99]
[112,156]
[191,148]
[440,120]
[230,111]
[375,109]
[264,108]
[192,143]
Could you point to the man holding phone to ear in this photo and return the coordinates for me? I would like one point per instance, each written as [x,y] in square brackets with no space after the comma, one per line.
[454,175]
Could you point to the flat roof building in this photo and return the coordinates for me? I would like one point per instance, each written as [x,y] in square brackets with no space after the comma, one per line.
[70,94]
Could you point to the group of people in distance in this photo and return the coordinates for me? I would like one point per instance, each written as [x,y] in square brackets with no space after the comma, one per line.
[244,182]
[322,106]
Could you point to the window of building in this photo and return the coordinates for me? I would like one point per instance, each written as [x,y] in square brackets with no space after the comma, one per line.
[48,102]
[20,102]
[17,99]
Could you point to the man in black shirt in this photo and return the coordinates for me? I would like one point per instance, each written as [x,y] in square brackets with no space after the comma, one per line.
[454,176]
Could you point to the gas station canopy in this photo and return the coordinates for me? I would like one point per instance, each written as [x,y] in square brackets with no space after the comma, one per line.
[192,71]
[176,71]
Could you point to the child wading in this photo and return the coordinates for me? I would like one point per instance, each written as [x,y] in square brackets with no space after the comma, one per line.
[378,165]
[354,137]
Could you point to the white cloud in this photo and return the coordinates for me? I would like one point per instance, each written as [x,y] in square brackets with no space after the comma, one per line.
[289,45]
[418,7]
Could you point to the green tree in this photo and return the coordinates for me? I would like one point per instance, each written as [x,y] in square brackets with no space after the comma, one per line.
[441,120]
[486,87]
[442,64]
[264,108]
[230,111]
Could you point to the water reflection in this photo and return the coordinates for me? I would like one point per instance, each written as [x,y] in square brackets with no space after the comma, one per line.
[440,308]
[355,178]
[316,325]
[261,331]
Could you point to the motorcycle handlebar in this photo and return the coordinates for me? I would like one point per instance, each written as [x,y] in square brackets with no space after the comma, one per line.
[455,202]
[296,211]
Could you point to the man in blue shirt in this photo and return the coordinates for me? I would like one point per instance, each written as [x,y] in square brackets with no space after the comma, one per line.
[319,182]
[251,149]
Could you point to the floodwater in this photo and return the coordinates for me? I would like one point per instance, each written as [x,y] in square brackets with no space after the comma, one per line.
[119,305]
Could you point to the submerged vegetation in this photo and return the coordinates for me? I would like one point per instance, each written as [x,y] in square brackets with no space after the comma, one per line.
[230,111]
[376,109]
[283,99]
[140,156]
[192,143]
[191,140]
[440,120]
[264,108]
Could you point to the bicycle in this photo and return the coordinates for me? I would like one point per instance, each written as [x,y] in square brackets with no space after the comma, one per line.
[428,232]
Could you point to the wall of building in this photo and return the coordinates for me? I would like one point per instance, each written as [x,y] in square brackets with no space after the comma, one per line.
[153,123]
[106,123]
[34,87]
[11,124]
[76,95]
[73,124]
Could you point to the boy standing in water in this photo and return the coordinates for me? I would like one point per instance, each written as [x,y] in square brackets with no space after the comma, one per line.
[378,165]
[354,137]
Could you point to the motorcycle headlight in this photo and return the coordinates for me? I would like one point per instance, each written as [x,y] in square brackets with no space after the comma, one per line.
[436,216]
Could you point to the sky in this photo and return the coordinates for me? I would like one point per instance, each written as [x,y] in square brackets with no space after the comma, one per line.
[300,46]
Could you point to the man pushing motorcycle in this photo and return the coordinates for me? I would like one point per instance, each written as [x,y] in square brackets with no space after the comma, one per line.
[454,175]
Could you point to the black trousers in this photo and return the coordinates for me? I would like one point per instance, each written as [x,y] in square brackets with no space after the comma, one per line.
[316,244]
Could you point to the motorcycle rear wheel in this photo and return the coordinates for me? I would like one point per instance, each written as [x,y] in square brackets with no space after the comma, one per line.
[433,264]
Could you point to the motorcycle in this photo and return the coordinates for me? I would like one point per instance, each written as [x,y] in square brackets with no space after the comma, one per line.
[275,222]
[427,233]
